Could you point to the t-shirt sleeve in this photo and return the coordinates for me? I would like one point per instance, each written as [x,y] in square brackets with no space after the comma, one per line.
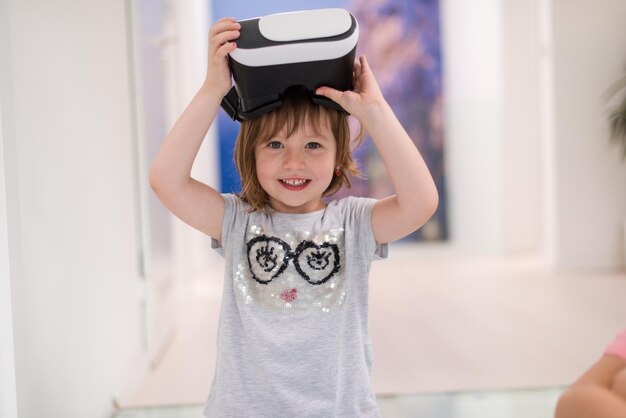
[359,220]
[234,209]
[618,346]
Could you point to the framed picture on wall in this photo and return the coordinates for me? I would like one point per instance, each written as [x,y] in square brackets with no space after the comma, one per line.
[401,39]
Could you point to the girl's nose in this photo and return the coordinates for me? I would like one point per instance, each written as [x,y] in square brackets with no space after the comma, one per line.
[294,160]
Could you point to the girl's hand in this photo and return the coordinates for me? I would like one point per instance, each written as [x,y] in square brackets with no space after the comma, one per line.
[221,35]
[366,97]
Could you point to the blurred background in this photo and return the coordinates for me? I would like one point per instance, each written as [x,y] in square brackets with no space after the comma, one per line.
[108,302]
[402,41]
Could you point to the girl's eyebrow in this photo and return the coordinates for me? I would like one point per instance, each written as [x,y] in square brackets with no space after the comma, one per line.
[318,134]
[323,137]
[273,137]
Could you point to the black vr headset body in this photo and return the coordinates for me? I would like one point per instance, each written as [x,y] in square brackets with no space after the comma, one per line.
[307,49]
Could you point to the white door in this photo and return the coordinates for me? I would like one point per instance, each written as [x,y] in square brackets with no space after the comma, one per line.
[153,61]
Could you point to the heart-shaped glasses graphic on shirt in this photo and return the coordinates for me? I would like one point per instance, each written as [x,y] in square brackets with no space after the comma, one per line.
[268,258]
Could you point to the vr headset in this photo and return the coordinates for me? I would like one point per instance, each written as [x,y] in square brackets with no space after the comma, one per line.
[308,49]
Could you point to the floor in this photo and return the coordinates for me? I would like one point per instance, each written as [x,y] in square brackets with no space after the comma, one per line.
[505,404]
[451,335]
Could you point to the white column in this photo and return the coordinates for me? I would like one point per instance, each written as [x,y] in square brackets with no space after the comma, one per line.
[8,389]
[190,21]
[473,89]
[9,218]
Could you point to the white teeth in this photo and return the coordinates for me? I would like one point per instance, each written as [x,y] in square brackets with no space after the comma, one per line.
[293,182]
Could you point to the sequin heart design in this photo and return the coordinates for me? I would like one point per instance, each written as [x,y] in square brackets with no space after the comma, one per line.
[289,295]
[267,257]
[317,263]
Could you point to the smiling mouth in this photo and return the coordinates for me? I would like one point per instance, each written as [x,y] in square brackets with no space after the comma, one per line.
[294,184]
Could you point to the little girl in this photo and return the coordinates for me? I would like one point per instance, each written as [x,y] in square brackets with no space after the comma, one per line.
[601,391]
[293,334]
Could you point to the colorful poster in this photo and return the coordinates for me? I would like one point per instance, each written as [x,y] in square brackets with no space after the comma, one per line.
[401,39]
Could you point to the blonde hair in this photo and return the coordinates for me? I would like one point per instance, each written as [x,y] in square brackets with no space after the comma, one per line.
[297,109]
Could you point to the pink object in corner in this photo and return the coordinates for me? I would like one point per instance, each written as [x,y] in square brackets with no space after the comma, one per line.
[618,346]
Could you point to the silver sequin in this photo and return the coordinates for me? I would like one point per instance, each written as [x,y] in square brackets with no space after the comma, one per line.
[324,286]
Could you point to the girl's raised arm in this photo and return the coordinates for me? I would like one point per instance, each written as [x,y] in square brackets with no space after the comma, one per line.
[194,202]
[416,197]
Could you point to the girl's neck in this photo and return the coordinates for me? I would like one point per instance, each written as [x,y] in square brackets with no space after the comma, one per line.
[309,207]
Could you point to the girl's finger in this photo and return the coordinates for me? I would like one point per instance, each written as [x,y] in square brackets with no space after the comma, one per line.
[357,68]
[332,94]
[223,37]
[223,25]
[225,49]
[365,67]
[227,19]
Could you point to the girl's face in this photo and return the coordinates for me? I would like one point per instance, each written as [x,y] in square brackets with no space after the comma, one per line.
[296,170]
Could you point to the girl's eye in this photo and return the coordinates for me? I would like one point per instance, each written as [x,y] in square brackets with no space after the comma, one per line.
[274,144]
[313,145]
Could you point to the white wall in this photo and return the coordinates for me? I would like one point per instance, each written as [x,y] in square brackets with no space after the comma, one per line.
[70,181]
[586,199]
[529,164]
[71,205]
[520,127]
[492,153]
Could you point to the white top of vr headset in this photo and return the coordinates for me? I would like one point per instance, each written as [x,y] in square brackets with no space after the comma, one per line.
[308,24]
[297,26]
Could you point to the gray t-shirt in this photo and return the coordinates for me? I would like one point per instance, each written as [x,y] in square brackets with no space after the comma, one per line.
[293,338]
